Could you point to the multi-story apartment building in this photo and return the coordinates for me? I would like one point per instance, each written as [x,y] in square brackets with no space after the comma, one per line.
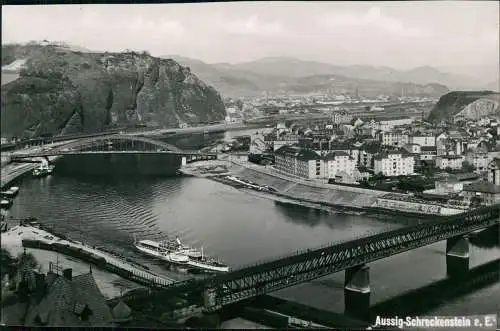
[393,138]
[428,153]
[338,164]
[448,146]
[394,163]
[300,162]
[494,171]
[341,117]
[389,124]
[367,155]
[347,148]
[422,140]
[478,159]
[449,161]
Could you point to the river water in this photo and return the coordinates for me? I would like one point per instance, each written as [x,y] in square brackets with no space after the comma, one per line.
[236,226]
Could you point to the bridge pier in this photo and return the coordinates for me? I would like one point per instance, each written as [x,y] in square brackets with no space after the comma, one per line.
[184,161]
[357,292]
[209,296]
[457,256]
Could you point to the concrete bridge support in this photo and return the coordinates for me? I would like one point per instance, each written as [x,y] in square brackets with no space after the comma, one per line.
[457,256]
[357,292]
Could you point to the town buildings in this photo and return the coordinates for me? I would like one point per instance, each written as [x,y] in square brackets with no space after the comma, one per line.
[339,164]
[403,148]
[61,299]
[394,163]
[308,164]
[449,161]
[486,193]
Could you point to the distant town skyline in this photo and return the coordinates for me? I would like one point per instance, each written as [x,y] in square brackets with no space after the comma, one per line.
[401,35]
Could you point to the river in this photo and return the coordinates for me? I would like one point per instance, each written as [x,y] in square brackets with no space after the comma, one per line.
[236,226]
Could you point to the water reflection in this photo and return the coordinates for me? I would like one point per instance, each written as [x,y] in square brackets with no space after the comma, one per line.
[302,215]
[427,298]
[489,238]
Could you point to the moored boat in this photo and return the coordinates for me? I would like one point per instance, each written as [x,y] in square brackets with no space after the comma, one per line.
[9,193]
[160,251]
[208,264]
[44,169]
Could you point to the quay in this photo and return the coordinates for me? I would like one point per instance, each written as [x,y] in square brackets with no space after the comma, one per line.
[10,174]
[36,237]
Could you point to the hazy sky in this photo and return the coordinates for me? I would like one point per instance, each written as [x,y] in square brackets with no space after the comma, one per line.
[396,34]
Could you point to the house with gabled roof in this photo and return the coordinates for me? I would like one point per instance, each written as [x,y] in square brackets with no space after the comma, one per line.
[69,300]
[486,192]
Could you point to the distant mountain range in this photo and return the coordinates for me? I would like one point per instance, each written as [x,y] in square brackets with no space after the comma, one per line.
[287,74]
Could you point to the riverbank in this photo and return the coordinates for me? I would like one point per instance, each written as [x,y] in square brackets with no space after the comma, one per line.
[12,172]
[285,189]
[110,285]
[28,236]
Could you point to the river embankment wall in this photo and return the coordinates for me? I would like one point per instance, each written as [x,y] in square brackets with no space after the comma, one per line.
[309,191]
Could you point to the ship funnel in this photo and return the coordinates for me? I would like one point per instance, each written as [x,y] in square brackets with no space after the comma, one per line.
[178,241]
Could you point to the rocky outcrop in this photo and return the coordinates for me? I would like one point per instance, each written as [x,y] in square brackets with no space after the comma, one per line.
[480,108]
[61,91]
[465,105]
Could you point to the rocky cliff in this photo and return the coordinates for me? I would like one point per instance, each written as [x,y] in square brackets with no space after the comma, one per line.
[64,91]
[466,105]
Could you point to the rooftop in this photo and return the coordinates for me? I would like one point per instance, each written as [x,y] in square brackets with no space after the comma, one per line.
[70,302]
[333,155]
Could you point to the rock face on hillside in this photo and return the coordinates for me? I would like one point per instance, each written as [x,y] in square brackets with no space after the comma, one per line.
[62,91]
[466,105]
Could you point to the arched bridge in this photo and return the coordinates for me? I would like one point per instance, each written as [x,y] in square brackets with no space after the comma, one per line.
[351,256]
[116,143]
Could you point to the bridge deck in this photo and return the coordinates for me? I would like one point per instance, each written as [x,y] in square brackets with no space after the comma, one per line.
[61,153]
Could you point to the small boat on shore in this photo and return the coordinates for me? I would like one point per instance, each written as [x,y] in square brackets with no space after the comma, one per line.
[5,203]
[10,193]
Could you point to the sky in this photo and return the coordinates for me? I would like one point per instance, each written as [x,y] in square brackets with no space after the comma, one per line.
[397,34]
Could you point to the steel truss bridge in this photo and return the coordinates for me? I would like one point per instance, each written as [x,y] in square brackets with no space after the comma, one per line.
[112,144]
[266,277]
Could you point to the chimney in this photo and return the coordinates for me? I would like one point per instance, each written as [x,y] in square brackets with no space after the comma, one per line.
[68,273]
